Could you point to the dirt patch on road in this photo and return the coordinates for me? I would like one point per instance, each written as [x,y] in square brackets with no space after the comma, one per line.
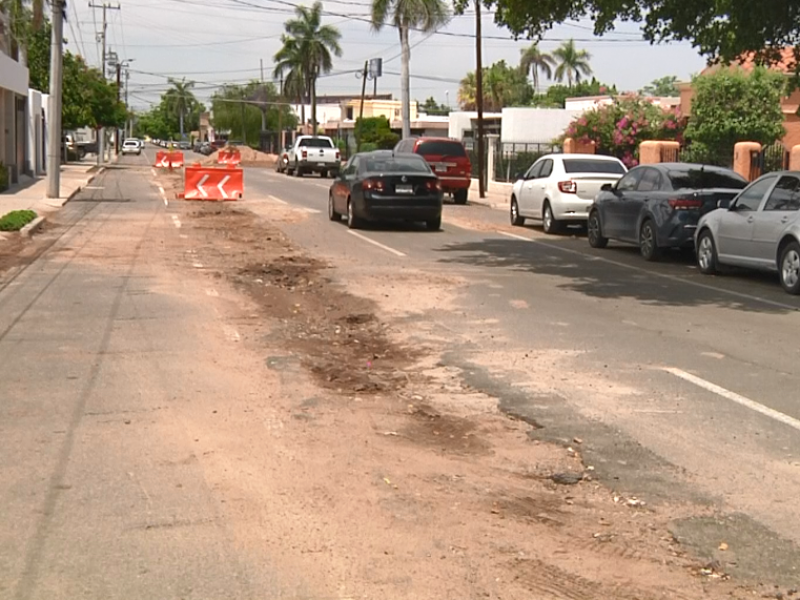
[391,477]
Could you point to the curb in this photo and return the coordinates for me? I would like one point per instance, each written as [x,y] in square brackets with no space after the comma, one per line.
[78,189]
[32,227]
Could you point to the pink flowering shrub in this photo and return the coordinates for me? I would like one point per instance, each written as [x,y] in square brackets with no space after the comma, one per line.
[617,129]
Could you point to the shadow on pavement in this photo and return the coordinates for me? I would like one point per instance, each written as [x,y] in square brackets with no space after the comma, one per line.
[598,278]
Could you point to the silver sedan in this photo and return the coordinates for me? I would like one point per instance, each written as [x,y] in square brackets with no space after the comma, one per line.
[759,229]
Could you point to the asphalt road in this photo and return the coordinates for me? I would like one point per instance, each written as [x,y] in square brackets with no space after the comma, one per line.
[686,384]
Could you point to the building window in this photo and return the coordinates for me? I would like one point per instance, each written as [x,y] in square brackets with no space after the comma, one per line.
[350,113]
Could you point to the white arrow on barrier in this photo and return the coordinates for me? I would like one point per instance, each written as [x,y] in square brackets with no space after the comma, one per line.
[164,162]
[200,186]
[222,185]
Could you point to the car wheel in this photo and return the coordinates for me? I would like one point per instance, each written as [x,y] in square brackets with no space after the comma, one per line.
[460,196]
[297,171]
[648,243]
[333,174]
[516,219]
[353,222]
[332,214]
[593,232]
[289,171]
[790,268]
[549,223]
[706,253]
[434,224]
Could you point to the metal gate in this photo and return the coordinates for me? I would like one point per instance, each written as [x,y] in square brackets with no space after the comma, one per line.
[769,159]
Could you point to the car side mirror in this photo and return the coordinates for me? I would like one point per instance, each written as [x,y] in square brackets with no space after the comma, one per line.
[724,203]
[607,187]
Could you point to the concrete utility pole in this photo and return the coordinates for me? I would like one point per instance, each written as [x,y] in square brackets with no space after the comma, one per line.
[101,142]
[54,131]
[479,97]
[264,106]
[119,97]
[128,119]
[361,110]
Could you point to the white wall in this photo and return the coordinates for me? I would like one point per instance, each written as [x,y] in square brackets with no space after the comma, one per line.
[13,76]
[326,113]
[36,138]
[535,125]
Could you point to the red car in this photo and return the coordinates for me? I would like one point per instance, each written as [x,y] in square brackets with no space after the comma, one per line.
[447,158]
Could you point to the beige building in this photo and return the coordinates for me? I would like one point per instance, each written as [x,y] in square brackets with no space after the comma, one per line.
[13,108]
[391,109]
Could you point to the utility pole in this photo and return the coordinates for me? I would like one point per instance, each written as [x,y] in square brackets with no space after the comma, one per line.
[479,98]
[129,120]
[264,106]
[119,97]
[361,110]
[280,117]
[54,132]
[101,145]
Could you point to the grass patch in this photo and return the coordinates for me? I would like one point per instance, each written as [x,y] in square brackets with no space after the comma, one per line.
[16,220]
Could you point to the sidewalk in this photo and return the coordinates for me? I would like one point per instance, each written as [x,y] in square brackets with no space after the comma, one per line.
[497,194]
[32,195]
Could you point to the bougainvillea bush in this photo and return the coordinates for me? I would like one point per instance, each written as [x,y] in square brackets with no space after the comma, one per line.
[618,128]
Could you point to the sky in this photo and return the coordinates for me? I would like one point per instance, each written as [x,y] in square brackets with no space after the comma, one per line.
[212,42]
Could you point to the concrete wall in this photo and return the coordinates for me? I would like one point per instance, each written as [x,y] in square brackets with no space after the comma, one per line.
[37,142]
[13,76]
[459,122]
[326,113]
[532,125]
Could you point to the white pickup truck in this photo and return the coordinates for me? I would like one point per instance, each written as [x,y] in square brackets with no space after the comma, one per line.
[313,155]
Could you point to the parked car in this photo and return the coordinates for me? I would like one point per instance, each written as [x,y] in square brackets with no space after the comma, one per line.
[314,155]
[184,145]
[759,229]
[206,149]
[132,146]
[283,161]
[658,206]
[382,185]
[447,158]
[560,188]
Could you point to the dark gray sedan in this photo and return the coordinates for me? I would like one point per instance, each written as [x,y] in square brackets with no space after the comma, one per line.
[383,186]
[658,206]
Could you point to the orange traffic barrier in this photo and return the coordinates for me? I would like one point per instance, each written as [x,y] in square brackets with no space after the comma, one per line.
[229,157]
[169,160]
[210,183]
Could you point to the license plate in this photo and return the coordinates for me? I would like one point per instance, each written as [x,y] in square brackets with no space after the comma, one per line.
[404,189]
[441,168]
[321,164]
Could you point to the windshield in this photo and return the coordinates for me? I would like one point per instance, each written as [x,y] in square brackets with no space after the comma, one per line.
[316,143]
[697,179]
[588,165]
[397,165]
[441,148]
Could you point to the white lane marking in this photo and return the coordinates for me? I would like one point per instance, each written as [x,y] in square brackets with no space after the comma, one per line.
[163,195]
[276,199]
[312,211]
[703,286]
[153,171]
[176,221]
[184,236]
[212,292]
[374,243]
[734,397]
[197,265]
[94,187]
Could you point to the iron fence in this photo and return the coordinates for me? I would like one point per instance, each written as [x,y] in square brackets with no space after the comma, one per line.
[511,159]
[769,159]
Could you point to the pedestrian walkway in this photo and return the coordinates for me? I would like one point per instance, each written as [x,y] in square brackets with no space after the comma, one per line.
[497,194]
[32,194]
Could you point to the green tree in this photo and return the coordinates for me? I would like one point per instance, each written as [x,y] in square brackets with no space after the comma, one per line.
[180,100]
[503,85]
[234,105]
[571,63]
[307,51]
[26,17]
[88,99]
[732,106]
[420,15]
[556,95]
[433,108]
[664,86]
[374,133]
[533,61]
[38,49]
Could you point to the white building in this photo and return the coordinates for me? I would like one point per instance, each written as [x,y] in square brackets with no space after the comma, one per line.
[535,125]
[13,108]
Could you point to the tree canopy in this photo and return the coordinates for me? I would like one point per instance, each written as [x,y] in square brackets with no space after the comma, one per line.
[88,98]
[663,86]
[227,105]
[163,120]
[732,106]
[718,29]
[503,85]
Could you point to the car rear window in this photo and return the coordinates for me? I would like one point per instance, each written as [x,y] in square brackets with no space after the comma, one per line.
[409,164]
[698,179]
[316,143]
[441,148]
[587,165]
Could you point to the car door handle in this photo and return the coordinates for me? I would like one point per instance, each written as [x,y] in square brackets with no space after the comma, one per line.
[785,220]
[750,219]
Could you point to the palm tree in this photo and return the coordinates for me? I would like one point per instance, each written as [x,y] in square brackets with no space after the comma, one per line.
[180,99]
[421,15]
[290,66]
[572,63]
[533,61]
[306,53]
[467,92]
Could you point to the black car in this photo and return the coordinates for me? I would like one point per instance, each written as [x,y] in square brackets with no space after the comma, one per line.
[382,185]
[658,206]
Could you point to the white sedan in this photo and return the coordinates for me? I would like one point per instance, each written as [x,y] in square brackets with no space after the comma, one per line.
[560,188]
[132,146]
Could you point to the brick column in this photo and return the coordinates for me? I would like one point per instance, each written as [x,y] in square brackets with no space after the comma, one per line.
[741,159]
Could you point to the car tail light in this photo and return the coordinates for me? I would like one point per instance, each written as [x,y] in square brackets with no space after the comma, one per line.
[373,184]
[685,203]
[568,187]
[433,185]
[305,153]
[337,155]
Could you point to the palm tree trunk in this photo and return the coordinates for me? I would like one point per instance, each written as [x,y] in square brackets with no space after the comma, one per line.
[405,86]
[314,106]
[181,119]
[535,73]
